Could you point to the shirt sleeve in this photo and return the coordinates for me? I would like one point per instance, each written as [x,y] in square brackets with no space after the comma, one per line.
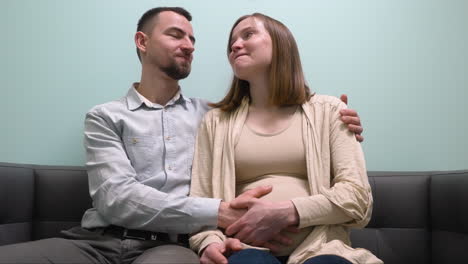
[324,212]
[121,200]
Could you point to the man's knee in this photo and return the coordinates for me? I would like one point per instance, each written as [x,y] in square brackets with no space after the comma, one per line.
[168,254]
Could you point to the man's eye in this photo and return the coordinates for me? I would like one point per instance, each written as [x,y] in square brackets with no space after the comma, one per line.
[175,35]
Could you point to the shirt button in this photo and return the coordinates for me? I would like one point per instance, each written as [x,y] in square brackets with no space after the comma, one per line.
[168,138]
[134,140]
[169,168]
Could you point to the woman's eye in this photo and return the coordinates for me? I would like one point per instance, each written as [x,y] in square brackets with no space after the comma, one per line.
[248,34]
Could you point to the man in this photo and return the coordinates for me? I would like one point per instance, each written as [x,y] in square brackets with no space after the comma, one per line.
[139,152]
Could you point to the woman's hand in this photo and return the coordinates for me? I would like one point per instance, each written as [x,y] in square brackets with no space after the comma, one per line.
[217,253]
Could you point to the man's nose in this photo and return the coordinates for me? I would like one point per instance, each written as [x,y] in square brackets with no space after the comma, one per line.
[188,46]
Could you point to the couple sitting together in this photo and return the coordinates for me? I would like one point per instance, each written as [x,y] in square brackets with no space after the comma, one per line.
[274,172]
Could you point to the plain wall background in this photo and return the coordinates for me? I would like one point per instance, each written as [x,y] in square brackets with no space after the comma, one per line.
[403,64]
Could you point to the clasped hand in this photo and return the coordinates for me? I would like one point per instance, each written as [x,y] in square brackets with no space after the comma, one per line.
[263,223]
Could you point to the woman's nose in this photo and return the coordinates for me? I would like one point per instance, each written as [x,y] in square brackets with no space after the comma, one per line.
[237,45]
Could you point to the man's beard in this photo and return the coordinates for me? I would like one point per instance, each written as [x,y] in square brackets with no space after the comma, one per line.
[177,72]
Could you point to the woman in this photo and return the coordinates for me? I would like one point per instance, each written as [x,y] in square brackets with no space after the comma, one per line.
[270,130]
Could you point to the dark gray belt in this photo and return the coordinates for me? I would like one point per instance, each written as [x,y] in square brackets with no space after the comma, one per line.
[124,233]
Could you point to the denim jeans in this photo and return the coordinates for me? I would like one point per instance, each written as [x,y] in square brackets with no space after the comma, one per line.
[255,256]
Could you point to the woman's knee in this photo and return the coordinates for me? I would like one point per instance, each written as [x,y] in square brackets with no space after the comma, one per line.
[250,255]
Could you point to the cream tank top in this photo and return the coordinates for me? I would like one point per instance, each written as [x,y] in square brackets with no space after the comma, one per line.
[278,160]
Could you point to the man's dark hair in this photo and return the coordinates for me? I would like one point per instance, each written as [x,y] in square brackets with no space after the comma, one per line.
[146,22]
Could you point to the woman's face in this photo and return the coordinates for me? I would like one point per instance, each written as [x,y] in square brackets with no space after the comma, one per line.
[251,49]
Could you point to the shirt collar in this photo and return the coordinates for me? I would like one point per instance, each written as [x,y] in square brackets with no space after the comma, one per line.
[135,99]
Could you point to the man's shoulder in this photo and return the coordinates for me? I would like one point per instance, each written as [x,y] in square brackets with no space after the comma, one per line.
[200,103]
[114,106]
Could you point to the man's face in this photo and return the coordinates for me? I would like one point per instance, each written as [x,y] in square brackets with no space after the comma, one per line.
[171,44]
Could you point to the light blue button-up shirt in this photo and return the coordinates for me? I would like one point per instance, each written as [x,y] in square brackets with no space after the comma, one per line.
[139,159]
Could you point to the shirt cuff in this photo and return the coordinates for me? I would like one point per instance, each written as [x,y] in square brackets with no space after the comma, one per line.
[205,212]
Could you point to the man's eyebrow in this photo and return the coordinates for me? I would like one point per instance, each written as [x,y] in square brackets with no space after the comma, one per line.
[179,30]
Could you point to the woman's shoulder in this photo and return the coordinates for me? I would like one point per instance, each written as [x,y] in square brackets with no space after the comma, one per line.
[215,115]
[326,101]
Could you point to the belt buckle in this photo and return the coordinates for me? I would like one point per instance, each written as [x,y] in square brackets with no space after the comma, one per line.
[126,235]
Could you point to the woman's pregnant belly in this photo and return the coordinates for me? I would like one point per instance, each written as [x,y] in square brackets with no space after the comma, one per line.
[284,188]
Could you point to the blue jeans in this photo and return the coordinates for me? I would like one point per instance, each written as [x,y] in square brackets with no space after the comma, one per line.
[255,256]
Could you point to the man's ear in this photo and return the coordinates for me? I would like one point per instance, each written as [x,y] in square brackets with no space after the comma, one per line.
[140,41]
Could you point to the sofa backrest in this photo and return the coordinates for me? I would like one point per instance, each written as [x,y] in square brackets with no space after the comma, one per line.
[16,203]
[418,217]
[39,201]
[61,197]
[399,231]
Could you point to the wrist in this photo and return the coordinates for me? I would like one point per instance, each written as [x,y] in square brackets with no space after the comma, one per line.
[202,250]
[223,214]
[293,215]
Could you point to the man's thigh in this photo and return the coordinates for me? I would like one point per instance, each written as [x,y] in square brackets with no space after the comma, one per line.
[53,250]
[168,254]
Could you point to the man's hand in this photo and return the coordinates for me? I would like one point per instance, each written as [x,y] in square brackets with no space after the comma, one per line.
[217,253]
[351,118]
[263,221]
[242,202]
[227,215]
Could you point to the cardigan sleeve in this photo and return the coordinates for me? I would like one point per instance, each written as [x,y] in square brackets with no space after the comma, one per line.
[201,184]
[348,201]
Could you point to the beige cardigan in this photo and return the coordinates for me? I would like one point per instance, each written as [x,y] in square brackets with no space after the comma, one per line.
[335,169]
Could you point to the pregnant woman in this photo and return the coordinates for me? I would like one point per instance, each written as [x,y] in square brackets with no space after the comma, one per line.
[271,130]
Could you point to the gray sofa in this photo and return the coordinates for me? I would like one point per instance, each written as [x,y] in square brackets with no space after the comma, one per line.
[418,217]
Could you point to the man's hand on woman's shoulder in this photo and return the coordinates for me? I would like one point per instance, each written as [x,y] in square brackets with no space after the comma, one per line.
[351,118]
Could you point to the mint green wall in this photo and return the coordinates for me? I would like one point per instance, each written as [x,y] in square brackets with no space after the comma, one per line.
[404,65]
